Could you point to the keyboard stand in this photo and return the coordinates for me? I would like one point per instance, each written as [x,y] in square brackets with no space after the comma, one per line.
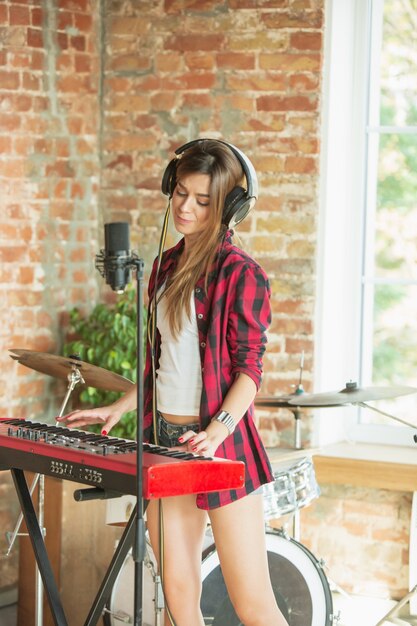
[39,548]
[44,565]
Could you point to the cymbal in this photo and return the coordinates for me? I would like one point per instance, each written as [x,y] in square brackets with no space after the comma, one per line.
[351,394]
[276,402]
[60,367]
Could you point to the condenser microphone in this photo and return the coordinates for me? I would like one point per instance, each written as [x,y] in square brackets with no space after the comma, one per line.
[114,262]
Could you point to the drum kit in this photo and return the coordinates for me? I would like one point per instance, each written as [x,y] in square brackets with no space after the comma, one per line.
[301,587]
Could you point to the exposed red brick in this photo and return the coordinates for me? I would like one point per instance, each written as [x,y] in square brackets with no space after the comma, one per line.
[272,81]
[200,42]
[60,168]
[82,63]
[290,62]
[84,23]
[36,17]
[62,39]
[34,38]
[4,17]
[197,100]
[5,143]
[304,82]
[236,60]
[297,20]
[9,80]
[65,19]
[19,16]
[78,43]
[286,103]
[306,40]
[37,59]
[300,165]
[30,82]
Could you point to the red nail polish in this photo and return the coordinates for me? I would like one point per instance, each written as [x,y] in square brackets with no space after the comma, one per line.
[191,441]
[104,432]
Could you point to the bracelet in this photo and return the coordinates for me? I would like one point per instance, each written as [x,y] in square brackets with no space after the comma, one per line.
[225,418]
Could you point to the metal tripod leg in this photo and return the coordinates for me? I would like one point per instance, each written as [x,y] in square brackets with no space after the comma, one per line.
[296,530]
[42,560]
[398,606]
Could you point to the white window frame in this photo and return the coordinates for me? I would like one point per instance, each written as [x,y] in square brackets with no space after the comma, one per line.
[341,228]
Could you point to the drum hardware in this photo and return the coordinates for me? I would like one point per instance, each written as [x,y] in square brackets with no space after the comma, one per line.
[69,368]
[121,601]
[397,607]
[300,585]
[364,405]
[351,394]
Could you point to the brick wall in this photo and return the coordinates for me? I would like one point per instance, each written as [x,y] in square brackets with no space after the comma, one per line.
[362,535]
[49,175]
[94,97]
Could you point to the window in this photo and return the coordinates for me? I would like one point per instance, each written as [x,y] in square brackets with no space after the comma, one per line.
[367,311]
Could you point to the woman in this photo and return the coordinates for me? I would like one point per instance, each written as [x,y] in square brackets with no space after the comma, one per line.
[212,315]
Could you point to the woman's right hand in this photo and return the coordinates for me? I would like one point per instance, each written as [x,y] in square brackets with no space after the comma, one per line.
[107,416]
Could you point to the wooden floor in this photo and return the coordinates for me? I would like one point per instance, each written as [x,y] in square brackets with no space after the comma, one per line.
[8,615]
[354,611]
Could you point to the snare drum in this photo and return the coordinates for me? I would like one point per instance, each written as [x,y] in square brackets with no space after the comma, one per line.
[294,487]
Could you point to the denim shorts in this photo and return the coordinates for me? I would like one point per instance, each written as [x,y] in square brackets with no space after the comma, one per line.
[168,433]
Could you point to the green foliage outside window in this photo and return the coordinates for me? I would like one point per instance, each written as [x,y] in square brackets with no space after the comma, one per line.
[106,337]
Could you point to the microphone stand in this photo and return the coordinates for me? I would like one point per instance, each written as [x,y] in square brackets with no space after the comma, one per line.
[120,264]
[139,544]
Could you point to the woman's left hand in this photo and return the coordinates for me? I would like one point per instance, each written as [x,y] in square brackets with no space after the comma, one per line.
[206,442]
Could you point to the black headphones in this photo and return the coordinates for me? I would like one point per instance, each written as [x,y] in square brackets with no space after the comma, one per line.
[238,201]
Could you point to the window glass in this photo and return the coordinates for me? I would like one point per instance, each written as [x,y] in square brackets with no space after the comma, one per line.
[389,324]
[399,63]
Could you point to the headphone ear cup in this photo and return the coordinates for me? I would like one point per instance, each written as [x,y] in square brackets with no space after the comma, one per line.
[168,179]
[236,206]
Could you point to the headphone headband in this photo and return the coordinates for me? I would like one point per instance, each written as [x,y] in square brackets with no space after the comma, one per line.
[239,201]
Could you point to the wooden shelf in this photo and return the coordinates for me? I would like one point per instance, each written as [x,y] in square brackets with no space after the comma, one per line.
[361,465]
[364,473]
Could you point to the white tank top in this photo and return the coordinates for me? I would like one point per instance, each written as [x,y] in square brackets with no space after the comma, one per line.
[178,383]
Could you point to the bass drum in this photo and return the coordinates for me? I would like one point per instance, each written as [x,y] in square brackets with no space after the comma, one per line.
[300,586]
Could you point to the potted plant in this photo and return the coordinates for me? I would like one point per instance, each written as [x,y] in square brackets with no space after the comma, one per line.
[106,337]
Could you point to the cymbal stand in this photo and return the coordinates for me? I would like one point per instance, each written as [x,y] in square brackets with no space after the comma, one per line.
[74,377]
[297,441]
[403,601]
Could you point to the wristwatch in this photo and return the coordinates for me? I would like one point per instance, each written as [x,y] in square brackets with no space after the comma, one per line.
[225,418]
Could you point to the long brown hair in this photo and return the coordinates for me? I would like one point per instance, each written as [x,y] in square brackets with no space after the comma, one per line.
[215,159]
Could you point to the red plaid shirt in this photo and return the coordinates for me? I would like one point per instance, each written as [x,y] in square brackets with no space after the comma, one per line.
[232,319]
